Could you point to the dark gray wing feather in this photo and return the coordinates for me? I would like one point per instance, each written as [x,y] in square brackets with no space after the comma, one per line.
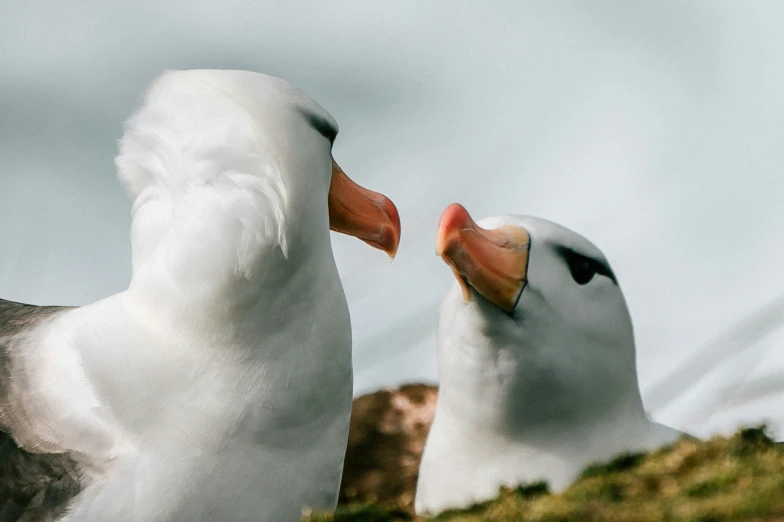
[34,487]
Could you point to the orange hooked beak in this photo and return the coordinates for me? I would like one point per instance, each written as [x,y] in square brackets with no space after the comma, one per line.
[494,262]
[362,213]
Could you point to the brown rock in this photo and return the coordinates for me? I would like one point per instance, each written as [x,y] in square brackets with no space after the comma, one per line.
[385,444]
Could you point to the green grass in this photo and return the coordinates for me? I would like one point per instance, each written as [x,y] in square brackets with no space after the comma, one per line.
[740,478]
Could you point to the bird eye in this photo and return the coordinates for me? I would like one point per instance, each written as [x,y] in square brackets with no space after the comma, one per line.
[582,269]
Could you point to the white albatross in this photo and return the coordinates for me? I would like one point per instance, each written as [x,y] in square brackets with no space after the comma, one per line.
[536,363]
[218,386]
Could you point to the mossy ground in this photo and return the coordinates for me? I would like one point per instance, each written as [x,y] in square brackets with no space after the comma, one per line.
[740,478]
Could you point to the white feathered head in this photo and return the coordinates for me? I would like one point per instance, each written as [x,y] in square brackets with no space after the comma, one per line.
[225,165]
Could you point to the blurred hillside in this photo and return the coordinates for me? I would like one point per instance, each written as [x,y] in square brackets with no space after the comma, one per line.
[386,439]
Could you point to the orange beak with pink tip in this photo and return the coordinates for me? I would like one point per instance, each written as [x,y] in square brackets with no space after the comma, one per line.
[362,213]
[494,262]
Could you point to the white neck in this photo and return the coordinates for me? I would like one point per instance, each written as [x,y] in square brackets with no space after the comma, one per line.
[464,463]
[506,430]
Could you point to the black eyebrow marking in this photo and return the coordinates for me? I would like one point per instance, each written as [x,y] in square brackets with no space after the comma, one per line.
[323,126]
[601,267]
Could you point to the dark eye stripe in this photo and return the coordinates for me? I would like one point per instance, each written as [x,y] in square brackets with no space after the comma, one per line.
[323,127]
[599,267]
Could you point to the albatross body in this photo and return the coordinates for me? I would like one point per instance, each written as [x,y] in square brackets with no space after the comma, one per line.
[217,386]
[536,361]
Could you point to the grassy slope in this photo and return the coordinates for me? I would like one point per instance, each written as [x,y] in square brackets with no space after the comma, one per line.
[723,479]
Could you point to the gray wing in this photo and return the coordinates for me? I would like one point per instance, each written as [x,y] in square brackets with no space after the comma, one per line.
[34,487]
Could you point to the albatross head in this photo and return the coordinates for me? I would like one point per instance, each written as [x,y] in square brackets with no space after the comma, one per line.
[232,177]
[535,332]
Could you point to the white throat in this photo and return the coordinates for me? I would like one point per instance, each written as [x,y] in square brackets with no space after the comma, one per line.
[510,409]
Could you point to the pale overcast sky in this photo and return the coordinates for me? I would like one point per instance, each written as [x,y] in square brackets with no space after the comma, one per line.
[653,128]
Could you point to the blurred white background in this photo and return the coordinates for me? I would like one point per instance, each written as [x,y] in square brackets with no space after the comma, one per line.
[653,128]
